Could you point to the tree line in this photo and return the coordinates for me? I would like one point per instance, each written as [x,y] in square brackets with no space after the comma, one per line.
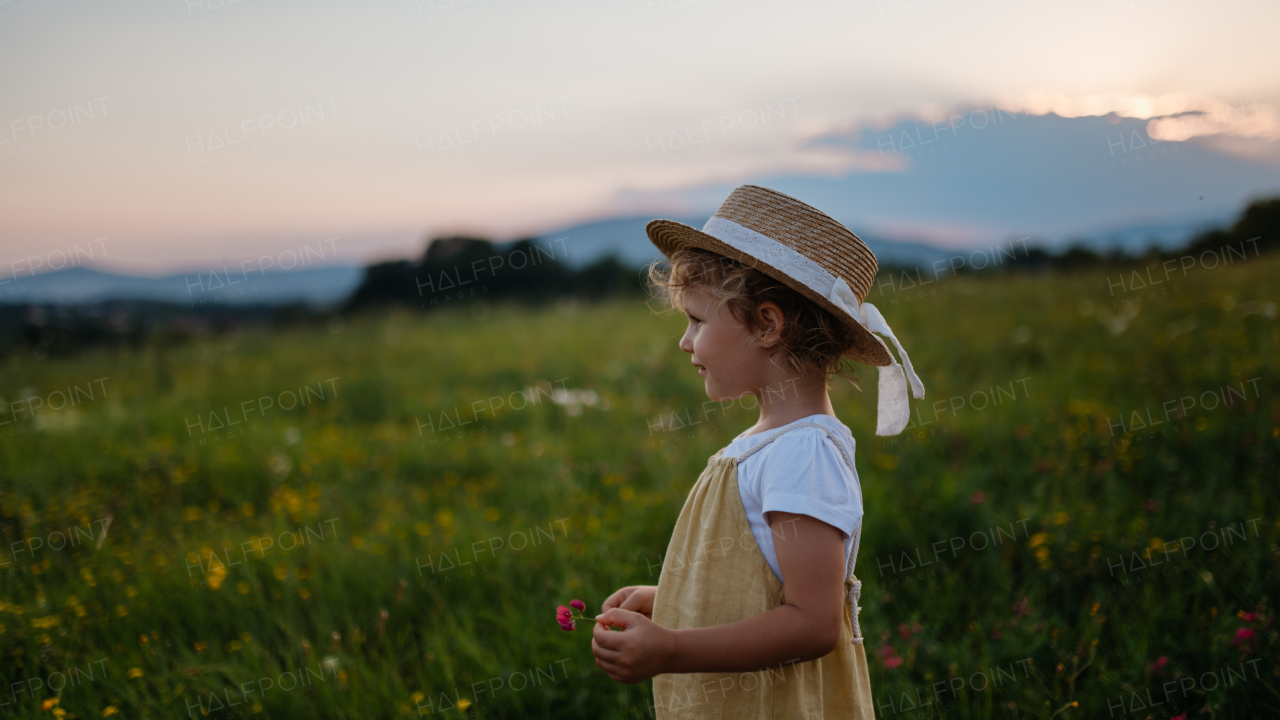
[458,269]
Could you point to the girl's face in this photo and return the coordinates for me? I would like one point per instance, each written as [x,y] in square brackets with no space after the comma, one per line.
[722,349]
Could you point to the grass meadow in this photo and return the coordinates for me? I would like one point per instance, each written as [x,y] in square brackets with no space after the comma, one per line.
[378,518]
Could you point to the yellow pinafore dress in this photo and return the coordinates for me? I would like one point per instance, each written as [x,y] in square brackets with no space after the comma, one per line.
[714,574]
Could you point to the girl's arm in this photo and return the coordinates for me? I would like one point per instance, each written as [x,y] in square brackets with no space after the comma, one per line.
[806,627]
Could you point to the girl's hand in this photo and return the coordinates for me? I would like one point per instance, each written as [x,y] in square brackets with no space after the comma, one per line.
[637,598]
[643,649]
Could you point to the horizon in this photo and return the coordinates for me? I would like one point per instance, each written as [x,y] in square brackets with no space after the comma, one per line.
[307,258]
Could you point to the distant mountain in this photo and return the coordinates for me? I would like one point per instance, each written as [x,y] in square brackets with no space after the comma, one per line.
[581,245]
[577,246]
[1135,239]
[320,286]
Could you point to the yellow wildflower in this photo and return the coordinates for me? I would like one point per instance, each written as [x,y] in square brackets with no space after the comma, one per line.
[216,575]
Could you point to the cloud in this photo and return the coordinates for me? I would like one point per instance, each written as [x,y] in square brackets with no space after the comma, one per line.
[1048,166]
[1174,116]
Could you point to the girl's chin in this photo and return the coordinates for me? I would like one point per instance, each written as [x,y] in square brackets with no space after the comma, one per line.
[716,394]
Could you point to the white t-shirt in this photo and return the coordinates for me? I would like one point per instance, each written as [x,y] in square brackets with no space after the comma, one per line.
[801,472]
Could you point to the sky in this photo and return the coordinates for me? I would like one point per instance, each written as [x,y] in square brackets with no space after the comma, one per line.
[171,134]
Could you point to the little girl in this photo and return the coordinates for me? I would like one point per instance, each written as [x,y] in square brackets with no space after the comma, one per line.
[749,618]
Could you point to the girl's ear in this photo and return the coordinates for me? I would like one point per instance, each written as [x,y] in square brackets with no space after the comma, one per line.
[772,319]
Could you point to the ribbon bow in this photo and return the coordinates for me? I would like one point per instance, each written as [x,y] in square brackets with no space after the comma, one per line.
[893,410]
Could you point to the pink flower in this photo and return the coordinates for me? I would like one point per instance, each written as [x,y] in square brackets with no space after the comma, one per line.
[1250,617]
[581,606]
[1183,716]
[1021,608]
[1151,504]
[1242,635]
[978,497]
[904,631]
[889,656]
[1158,665]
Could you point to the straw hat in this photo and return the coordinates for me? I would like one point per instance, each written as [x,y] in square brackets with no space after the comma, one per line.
[818,257]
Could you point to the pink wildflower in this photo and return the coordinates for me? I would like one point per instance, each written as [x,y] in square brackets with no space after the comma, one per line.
[581,606]
[1021,607]
[889,656]
[564,616]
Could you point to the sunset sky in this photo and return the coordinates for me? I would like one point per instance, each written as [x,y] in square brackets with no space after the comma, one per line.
[185,132]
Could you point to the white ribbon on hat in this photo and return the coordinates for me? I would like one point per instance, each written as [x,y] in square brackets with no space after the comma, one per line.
[893,411]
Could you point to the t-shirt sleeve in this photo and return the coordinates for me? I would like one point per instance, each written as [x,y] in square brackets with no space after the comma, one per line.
[810,477]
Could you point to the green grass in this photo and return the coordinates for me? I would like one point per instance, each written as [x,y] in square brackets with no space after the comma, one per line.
[180,606]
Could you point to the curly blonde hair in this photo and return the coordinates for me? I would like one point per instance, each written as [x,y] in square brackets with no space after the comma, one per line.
[813,341]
